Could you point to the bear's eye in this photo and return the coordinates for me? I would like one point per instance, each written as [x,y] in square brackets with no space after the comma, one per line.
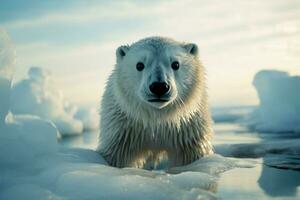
[175,65]
[140,66]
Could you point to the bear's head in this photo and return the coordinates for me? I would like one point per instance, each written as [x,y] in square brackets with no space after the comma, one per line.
[159,72]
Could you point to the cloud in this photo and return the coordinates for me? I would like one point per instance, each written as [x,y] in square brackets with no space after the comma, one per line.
[236,38]
[213,22]
[83,14]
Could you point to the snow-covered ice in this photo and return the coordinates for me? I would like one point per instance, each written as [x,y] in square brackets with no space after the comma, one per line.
[35,167]
[279,109]
[62,173]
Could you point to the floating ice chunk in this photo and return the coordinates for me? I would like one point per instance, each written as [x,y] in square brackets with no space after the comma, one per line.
[279,109]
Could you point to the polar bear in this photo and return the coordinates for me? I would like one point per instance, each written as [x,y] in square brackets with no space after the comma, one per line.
[155,103]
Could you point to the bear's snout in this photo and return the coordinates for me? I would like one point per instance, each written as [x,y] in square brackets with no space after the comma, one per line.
[159,88]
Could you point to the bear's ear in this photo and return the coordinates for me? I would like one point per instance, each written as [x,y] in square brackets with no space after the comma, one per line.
[122,51]
[191,48]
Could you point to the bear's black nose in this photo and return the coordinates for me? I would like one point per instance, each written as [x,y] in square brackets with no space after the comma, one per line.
[159,88]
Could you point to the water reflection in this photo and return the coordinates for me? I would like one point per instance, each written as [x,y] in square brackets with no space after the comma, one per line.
[279,183]
[278,175]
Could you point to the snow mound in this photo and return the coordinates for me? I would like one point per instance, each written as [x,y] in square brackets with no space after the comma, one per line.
[279,109]
[24,140]
[37,95]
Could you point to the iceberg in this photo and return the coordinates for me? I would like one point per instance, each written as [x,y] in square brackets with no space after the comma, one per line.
[279,96]
[37,95]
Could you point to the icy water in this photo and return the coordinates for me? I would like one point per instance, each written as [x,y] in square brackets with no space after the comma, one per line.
[276,158]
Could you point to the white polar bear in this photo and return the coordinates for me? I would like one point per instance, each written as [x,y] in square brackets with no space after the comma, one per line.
[155,102]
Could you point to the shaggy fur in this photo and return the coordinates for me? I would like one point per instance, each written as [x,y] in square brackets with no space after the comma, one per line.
[134,130]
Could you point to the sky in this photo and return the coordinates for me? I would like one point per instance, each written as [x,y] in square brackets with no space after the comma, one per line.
[76,40]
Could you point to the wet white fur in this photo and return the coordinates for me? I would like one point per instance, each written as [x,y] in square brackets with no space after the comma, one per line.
[132,129]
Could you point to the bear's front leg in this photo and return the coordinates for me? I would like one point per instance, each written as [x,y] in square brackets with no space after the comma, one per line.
[119,155]
[183,156]
[121,151]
